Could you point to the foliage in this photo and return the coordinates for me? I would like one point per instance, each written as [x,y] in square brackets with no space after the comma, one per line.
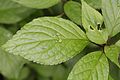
[59,39]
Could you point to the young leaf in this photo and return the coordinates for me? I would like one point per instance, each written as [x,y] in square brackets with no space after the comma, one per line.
[10,65]
[97,36]
[11,12]
[112,52]
[94,3]
[73,11]
[90,16]
[111,13]
[93,66]
[92,21]
[39,4]
[48,40]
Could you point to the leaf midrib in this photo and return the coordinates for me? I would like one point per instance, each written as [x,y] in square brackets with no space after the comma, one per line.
[50,40]
[94,66]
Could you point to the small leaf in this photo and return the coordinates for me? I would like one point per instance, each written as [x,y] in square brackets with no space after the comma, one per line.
[111,14]
[95,3]
[48,40]
[90,17]
[97,36]
[93,66]
[112,52]
[73,11]
[92,21]
[39,4]
[11,12]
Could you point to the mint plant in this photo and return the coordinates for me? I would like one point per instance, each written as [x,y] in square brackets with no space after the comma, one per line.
[58,40]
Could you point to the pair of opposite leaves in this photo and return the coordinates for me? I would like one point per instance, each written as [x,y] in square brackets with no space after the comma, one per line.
[51,40]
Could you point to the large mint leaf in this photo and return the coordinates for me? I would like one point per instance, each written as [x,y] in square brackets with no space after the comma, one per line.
[11,12]
[10,65]
[111,13]
[112,52]
[93,66]
[92,21]
[48,40]
[40,4]
[73,11]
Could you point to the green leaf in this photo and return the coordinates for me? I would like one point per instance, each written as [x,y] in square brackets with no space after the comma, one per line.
[94,3]
[97,36]
[24,73]
[48,40]
[10,65]
[43,70]
[11,12]
[90,16]
[73,10]
[114,71]
[112,52]
[39,4]
[110,78]
[118,43]
[92,21]
[60,72]
[93,66]
[4,35]
[111,13]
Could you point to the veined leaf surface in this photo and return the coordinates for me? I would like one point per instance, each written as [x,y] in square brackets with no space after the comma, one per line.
[48,40]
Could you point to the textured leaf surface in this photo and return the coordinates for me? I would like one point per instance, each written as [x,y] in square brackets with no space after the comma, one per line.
[93,66]
[94,3]
[40,4]
[10,65]
[73,11]
[111,13]
[48,40]
[11,12]
[112,53]
[92,21]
